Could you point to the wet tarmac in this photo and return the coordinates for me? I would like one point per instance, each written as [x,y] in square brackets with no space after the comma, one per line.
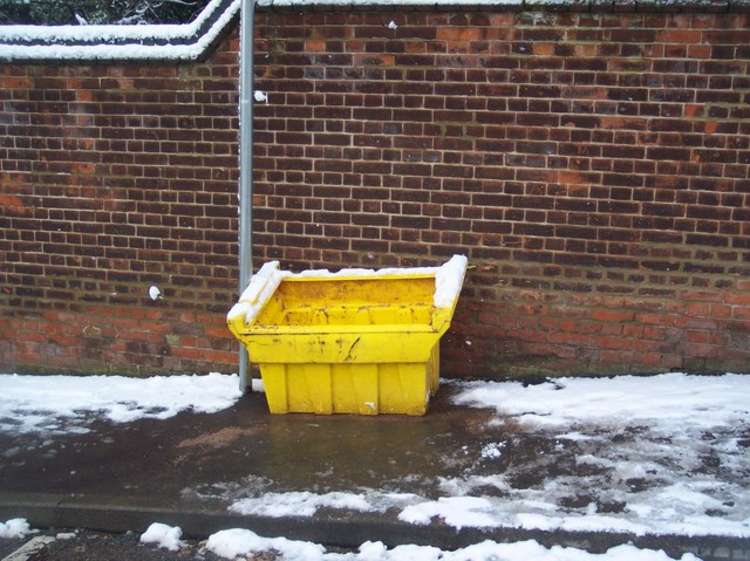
[203,463]
[246,445]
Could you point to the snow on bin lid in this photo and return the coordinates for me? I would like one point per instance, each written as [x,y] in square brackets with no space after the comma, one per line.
[449,278]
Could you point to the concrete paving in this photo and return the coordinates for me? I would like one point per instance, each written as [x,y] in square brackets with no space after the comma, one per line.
[186,470]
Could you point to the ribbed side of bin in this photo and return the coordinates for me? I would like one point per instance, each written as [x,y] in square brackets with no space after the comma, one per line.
[363,389]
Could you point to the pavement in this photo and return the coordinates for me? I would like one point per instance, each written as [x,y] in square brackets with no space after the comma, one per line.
[187,469]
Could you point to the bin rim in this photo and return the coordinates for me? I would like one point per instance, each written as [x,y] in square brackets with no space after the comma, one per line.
[358,278]
[448,278]
[326,329]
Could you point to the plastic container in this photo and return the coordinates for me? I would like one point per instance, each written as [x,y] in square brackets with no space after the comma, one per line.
[356,341]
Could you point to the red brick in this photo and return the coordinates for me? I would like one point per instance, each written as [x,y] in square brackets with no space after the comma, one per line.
[737,298]
[315,45]
[459,34]
[612,315]
[655,319]
[679,36]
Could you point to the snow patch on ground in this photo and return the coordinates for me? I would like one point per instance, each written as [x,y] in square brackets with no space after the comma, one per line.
[15,528]
[653,455]
[455,511]
[671,400]
[493,450]
[611,460]
[301,503]
[237,542]
[65,403]
[304,503]
[163,535]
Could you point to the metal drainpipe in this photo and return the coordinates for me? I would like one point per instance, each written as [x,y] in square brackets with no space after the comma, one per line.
[247,33]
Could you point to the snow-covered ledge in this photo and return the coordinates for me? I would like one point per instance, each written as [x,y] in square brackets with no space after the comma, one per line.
[187,41]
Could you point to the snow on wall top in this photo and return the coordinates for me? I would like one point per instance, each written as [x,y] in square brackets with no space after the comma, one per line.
[118,42]
[190,41]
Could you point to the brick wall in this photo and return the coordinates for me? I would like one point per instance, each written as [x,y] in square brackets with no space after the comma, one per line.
[593,166]
[114,178]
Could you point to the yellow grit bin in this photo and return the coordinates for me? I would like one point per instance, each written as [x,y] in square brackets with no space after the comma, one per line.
[356,341]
